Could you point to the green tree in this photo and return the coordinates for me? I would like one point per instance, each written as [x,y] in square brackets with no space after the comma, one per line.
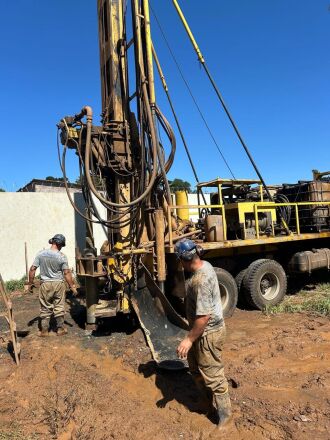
[78,181]
[98,182]
[61,179]
[179,184]
[2,190]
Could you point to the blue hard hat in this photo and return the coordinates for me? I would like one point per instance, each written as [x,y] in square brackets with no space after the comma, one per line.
[185,249]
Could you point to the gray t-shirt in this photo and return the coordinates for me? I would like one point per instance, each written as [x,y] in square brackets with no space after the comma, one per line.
[51,263]
[203,297]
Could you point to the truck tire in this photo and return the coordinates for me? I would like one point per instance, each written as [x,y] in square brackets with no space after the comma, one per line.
[265,283]
[228,291]
[245,296]
[242,300]
[239,279]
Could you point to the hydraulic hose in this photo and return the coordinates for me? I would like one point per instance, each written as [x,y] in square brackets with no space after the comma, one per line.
[89,117]
[170,134]
[109,224]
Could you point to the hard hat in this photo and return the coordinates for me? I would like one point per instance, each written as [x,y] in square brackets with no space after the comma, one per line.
[58,239]
[185,249]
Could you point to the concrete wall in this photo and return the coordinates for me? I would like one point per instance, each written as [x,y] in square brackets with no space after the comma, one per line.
[53,189]
[34,217]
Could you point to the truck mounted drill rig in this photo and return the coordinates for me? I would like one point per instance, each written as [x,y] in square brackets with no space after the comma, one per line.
[249,231]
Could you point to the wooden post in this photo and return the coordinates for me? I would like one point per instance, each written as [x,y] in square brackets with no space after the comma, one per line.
[10,319]
[26,262]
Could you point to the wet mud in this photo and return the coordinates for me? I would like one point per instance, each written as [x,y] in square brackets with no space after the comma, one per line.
[106,386]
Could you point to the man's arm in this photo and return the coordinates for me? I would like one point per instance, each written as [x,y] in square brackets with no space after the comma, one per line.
[69,279]
[32,274]
[197,330]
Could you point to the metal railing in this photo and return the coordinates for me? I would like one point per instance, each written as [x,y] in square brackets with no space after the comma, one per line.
[258,207]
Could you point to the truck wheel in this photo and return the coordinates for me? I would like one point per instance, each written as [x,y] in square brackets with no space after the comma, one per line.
[242,300]
[265,283]
[228,291]
[239,279]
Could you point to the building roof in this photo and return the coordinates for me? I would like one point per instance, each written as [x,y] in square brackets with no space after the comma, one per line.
[227,182]
[29,187]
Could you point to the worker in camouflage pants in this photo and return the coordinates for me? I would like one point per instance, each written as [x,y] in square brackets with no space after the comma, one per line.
[203,344]
[54,270]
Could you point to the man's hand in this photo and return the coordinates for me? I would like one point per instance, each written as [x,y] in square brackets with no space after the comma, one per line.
[69,279]
[196,331]
[183,348]
[74,290]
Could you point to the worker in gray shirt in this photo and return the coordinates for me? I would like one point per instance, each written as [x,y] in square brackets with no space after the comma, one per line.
[54,270]
[204,342]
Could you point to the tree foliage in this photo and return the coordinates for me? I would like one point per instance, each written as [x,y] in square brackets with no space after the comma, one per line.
[179,184]
[98,182]
[60,179]
[2,190]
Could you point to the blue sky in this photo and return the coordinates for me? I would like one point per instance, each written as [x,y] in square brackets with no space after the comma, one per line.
[270,59]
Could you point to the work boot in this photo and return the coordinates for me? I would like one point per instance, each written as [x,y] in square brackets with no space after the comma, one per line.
[212,413]
[223,409]
[207,397]
[61,330]
[44,326]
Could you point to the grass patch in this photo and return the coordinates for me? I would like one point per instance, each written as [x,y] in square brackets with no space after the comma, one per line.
[317,301]
[17,285]
[13,285]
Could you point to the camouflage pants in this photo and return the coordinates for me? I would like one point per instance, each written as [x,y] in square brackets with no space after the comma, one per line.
[205,362]
[52,299]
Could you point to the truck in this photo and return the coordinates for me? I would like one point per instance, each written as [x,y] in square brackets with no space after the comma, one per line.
[254,235]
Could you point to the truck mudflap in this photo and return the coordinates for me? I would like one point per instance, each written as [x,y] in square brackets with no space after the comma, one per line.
[163,327]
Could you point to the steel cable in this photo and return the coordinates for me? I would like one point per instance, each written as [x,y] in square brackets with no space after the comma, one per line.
[191,92]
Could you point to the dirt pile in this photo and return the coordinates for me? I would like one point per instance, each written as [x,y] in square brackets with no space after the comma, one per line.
[107,387]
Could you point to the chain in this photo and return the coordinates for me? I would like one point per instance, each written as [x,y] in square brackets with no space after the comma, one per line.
[135,257]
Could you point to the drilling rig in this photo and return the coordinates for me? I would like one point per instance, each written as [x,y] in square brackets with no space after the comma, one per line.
[248,230]
[123,167]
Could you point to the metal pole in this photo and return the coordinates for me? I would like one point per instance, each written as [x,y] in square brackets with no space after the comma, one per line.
[26,261]
[91,301]
[160,248]
[150,68]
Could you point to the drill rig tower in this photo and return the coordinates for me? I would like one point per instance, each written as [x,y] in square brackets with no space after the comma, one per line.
[123,166]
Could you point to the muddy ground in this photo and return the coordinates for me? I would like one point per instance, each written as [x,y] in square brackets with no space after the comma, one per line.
[107,387]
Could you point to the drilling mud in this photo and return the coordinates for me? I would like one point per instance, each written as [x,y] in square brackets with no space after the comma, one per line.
[106,386]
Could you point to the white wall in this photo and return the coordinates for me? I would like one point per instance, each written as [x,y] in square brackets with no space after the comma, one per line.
[100,235]
[34,217]
[192,200]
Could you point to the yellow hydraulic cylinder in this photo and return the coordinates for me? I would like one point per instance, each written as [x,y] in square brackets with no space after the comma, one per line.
[181,198]
[188,30]
[159,68]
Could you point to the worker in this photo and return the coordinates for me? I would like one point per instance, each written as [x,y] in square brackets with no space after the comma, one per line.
[54,270]
[204,342]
